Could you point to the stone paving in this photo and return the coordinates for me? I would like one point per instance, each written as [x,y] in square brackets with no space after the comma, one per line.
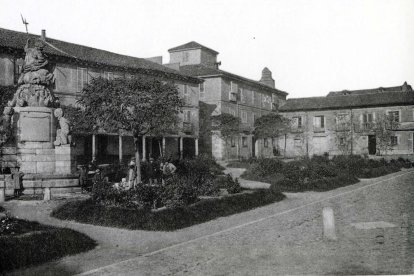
[281,238]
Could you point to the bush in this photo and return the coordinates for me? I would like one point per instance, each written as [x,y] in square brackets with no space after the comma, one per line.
[33,243]
[86,211]
[319,173]
[227,182]
[180,191]
[201,164]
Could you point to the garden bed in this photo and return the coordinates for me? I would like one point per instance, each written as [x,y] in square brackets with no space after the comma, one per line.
[87,211]
[318,173]
[24,243]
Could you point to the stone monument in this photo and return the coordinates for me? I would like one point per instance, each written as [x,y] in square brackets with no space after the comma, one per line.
[42,152]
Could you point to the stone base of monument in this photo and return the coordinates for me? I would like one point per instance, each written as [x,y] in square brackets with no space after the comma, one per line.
[44,165]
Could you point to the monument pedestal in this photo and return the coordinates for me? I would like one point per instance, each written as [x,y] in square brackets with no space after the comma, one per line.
[65,160]
[44,165]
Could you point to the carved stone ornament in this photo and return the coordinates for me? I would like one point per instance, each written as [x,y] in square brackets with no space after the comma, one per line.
[62,134]
[34,80]
[5,125]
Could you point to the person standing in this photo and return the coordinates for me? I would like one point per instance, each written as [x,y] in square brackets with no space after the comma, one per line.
[131,174]
[168,169]
[151,171]
[17,177]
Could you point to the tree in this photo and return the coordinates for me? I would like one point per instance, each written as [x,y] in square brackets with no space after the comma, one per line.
[384,129]
[227,126]
[344,133]
[271,125]
[140,106]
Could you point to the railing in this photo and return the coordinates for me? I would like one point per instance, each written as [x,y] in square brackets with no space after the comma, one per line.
[343,127]
[297,129]
[187,127]
[233,96]
[245,127]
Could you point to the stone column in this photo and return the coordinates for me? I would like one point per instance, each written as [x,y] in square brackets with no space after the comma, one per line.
[144,150]
[196,146]
[120,148]
[93,146]
[181,147]
[163,146]
[2,191]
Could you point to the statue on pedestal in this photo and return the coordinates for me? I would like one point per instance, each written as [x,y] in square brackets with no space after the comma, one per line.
[34,79]
[5,125]
[62,134]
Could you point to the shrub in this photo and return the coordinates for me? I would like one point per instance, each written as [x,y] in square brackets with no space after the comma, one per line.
[87,211]
[227,182]
[201,164]
[33,243]
[179,191]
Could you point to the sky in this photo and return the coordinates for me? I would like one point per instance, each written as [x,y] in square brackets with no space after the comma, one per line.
[312,47]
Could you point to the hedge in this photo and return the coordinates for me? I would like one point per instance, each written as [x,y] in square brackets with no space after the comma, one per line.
[44,245]
[87,211]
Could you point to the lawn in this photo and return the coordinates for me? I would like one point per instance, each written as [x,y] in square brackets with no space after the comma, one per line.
[24,243]
[168,219]
[318,173]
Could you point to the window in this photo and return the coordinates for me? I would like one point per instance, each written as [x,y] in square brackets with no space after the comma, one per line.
[342,141]
[254,117]
[319,122]
[82,78]
[367,118]
[186,94]
[394,140]
[394,116]
[253,96]
[202,90]
[241,93]
[233,142]
[265,142]
[232,112]
[109,75]
[297,143]
[186,56]
[233,87]
[244,142]
[297,122]
[187,116]
[244,116]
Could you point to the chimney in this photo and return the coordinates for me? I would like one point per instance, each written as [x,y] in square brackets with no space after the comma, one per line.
[43,36]
[267,78]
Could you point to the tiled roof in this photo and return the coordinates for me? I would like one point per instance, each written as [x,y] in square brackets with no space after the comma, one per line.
[349,101]
[199,70]
[17,40]
[191,45]
[402,88]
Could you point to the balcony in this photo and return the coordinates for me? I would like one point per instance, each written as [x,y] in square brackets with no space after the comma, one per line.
[343,127]
[187,127]
[245,127]
[296,129]
[233,97]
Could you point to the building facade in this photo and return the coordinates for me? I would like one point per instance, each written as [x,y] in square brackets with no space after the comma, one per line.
[347,122]
[75,65]
[224,92]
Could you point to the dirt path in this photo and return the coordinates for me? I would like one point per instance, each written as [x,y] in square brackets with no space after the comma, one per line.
[280,238]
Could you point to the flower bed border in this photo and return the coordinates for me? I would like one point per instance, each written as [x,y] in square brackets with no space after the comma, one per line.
[86,211]
[36,247]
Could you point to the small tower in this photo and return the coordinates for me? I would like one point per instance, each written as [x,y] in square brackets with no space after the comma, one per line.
[267,78]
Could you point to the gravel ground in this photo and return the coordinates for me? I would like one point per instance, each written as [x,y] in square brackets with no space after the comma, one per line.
[282,238]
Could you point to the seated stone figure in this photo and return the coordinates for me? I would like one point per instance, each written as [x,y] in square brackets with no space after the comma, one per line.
[62,134]
[5,125]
